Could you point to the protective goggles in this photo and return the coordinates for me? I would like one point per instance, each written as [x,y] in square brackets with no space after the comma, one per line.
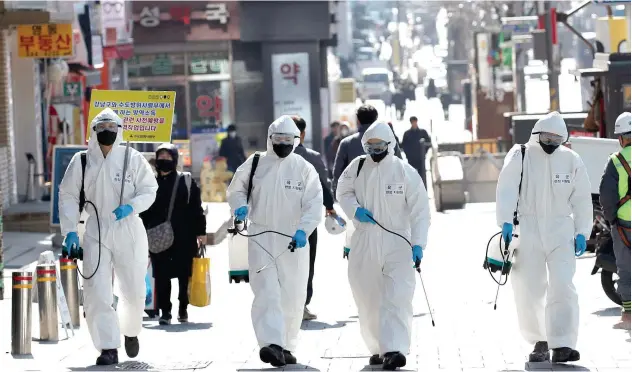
[102,126]
[282,139]
[551,138]
[376,148]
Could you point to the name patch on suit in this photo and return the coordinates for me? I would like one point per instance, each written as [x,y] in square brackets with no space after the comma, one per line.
[562,179]
[293,185]
[118,175]
[395,189]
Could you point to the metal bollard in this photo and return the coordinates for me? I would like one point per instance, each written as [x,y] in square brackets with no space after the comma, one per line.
[70,284]
[21,313]
[47,299]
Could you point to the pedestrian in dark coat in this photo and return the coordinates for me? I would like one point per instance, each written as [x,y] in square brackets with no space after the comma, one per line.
[189,231]
[232,149]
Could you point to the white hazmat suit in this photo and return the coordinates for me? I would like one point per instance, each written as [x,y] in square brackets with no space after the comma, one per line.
[123,242]
[286,196]
[380,264]
[555,206]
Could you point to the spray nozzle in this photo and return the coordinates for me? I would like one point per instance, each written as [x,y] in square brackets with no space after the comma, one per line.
[417,264]
[292,246]
[238,226]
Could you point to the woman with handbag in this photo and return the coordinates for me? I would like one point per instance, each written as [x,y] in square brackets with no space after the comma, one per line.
[176,227]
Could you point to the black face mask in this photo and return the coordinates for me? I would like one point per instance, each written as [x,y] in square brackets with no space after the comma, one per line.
[106,138]
[549,149]
[282,150]
[378,157]
[165,165]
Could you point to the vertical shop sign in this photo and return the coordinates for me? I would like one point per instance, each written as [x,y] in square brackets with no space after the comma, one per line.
[290,88]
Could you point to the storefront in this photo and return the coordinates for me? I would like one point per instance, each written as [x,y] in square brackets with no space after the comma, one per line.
[185,47]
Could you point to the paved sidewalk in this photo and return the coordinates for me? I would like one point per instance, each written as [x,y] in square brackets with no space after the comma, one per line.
[466,336]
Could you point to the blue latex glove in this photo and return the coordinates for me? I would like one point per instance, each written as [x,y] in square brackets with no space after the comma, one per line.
[241,213]
[363,215]
[71,243]
[300,238]
[345,254]
[507,231]
[123,211]
[418,253]
[580,245]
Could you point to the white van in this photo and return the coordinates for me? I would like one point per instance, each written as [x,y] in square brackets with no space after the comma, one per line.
[377,83]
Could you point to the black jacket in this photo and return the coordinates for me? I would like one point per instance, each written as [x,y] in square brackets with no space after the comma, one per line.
[414,148]
[187,220]
[233,150]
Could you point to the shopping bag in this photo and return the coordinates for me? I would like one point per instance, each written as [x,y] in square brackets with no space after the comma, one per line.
[150,292]
[200,282]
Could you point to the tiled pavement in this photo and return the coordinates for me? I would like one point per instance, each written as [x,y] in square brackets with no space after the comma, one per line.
[469,335]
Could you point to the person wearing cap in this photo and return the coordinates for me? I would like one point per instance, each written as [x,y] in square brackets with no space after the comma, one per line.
[188,223]
[614,196]
[314,158]
[115,237]
[544,192]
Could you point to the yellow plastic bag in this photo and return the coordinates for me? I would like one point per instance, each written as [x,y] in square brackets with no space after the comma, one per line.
[200,282]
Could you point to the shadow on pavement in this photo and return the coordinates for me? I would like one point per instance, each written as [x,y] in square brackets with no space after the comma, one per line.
[611,311]
[548,366]
[179,327]
[314,325]
[292,367]
[379,368]
[25,356]
[420,315]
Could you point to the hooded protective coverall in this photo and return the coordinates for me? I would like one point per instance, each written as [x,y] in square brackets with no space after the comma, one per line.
[553,187]
[380,264]
[286,196]
[123,242]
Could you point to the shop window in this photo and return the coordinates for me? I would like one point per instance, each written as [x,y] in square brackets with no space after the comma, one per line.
[210,105]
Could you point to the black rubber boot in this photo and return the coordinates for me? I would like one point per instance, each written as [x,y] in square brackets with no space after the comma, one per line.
[131,346]
[272,354]
[107,357]
[183,316]
[565,355]
[540,352]
[393,360]
[375,360]
[289,358]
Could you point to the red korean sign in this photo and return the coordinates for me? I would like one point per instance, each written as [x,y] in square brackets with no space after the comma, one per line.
[45,41]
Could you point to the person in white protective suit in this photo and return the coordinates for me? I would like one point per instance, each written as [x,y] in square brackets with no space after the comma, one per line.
[121,243]
[390,192]
[555,215]
[286,197]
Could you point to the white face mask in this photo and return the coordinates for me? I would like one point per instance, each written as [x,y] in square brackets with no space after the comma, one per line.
[344,133]
[232,134]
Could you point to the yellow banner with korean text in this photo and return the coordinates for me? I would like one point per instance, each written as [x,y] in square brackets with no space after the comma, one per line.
[45,41]
[147,116]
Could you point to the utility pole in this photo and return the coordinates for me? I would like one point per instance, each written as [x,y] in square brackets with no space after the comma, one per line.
[554,86]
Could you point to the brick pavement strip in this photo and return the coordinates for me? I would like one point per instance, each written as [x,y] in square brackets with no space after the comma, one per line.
[469,335]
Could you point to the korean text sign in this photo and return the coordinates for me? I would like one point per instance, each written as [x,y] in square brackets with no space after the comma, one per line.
[45,41]
[147,116]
